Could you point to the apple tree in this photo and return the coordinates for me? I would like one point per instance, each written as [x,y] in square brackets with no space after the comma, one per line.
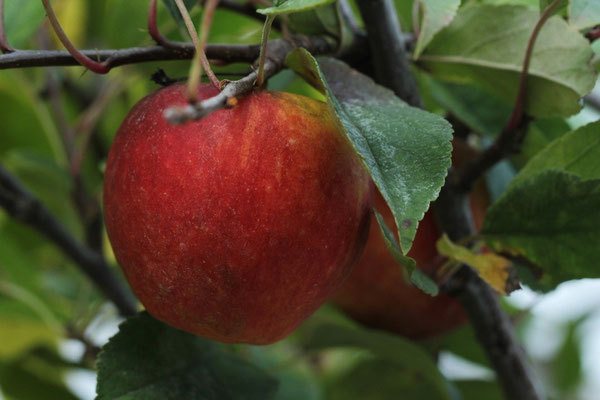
[255,146]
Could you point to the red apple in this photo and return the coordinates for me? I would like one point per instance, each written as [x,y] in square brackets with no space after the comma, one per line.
[376,293]
[238,226]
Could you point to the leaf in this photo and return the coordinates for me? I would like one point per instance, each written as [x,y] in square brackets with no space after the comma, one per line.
[584,13]
[404,353]
[293,6]
[485,45]
[174,10]
[539,135]
[325,20]
[436,15]
[477,390]
[473,106]
[566,367]
[19,333]
[552,218]
[559,10]
[576,152]
[23,18]
[381,380]
[406,150]
[148,360]
[417,277]
[492,268]
[37,374]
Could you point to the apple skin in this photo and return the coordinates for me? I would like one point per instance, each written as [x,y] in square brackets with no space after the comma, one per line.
[376,293]
[236,227]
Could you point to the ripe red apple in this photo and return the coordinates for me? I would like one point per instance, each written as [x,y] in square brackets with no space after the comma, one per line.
[238,226]
[376,293]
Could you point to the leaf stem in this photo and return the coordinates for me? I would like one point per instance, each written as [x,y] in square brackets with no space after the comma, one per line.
[4,46]
[94,66]
[263,50]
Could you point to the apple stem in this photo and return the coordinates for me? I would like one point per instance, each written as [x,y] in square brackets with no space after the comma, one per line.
[4,46]
[263,50]
[94,66]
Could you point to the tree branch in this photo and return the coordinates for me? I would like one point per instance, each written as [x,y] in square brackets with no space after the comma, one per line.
[4,46]
[20,204]
[134,55]
[388,49]
[493,328]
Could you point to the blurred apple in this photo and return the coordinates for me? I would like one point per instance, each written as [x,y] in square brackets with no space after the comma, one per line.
[376,293]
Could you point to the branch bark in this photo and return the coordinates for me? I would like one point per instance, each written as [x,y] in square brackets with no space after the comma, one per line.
[134,55]
[23,206]
[492,326]
[388,49]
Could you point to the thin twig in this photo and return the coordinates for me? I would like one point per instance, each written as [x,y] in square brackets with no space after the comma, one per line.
[260,76]
[88,120]
[277,51]
[508,140]
[23,206]
[197,63]
[593,34]
[155,33]
[200,55]
[5,47]
[94,66]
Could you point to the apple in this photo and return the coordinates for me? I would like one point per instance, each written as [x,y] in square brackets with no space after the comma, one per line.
[238,226]
[376,293]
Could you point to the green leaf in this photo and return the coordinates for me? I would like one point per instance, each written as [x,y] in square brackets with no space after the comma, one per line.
[148,360]
[485,45]
[23,18]
[293,6]
[559,10]
[381,379]
[576,152]
[584,13]
[325,20]
[566,367]
[406,150]
[174,10]
[477,390]
[20,332]
[473,106]
[417,277]
[436,15]
[402,352]
[552,218]
[539,135]
[37,374]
